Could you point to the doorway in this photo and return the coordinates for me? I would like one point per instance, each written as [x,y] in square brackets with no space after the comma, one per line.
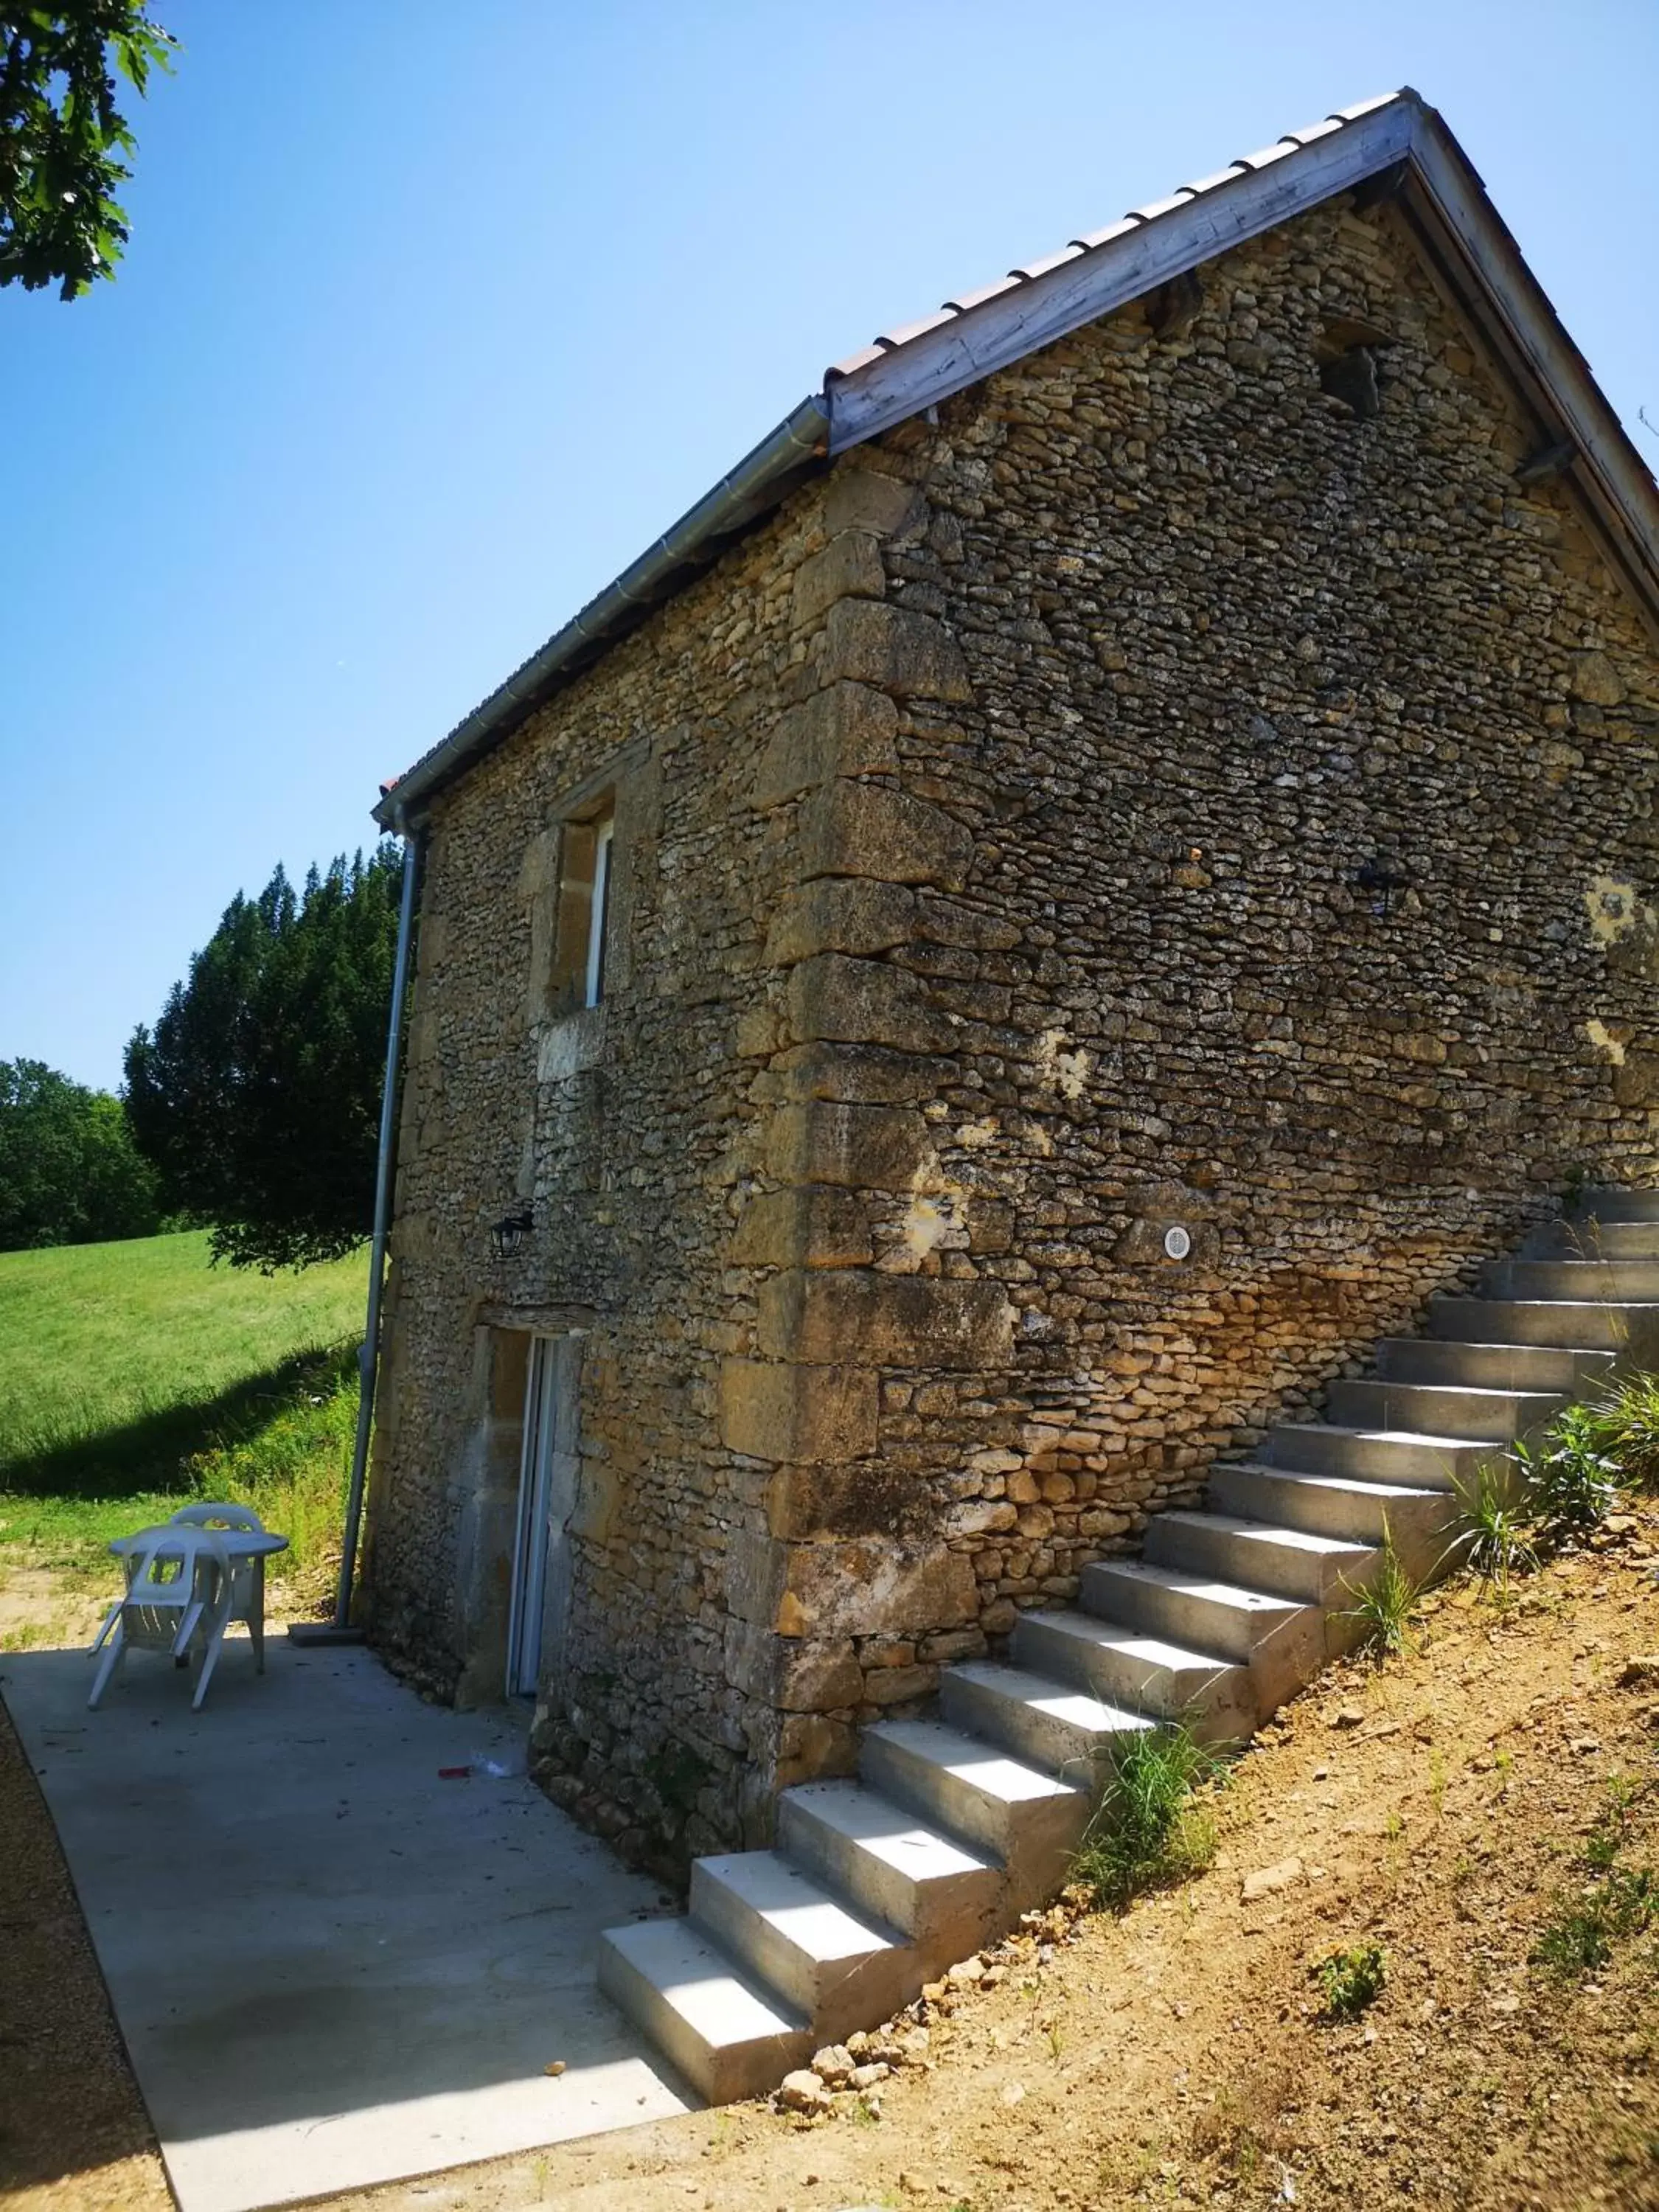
[547,1497]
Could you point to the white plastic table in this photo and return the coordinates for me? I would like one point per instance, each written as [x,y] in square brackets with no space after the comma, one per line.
[242,1546]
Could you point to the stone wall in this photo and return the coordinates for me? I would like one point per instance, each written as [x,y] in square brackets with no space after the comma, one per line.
[1232,645]
[627,1130]
[994,845]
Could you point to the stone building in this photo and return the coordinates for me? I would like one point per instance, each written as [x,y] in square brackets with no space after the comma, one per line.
[1112,858]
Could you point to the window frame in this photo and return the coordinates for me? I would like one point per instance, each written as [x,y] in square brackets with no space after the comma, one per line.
[598,910]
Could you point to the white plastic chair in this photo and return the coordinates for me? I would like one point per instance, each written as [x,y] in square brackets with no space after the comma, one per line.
[247,1585]
[178,1579]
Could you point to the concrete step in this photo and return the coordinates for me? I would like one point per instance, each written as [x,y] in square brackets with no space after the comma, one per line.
[728,2036]
[798,1938]
[1611,1204]
[1049,1722]
[1121,1666]
[1627,1328]
[1280,1641]
[876,1854]
[1476,1413]
[1292,1562]
[1012,1811]
[1590,1239]
[1345,1506]
[1566,1368]
[1196,1610]
[1420,1461]
[1584,1281]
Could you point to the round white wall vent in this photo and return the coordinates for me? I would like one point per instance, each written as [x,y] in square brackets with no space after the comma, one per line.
[1177,1243]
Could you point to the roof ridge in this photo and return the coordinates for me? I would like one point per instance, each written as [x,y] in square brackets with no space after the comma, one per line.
[1291,141]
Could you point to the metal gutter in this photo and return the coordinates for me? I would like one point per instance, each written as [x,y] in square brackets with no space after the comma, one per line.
[758,482]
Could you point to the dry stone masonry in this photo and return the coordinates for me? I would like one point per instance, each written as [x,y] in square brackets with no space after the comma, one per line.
[1121,892]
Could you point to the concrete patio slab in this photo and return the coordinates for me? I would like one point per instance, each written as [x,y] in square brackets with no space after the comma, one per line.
[332,1967]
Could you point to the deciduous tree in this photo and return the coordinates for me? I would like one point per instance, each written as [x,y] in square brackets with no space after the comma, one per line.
[62,135]
[69,1172]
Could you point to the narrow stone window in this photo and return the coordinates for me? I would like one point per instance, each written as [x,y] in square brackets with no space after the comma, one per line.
[582,934]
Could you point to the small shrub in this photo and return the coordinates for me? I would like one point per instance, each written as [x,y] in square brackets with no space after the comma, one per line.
[1496,1543]
[1625,1426]
[1147,1833]
[1572,1482]
[1382,1606]
[1582,1931]
[1350,1980]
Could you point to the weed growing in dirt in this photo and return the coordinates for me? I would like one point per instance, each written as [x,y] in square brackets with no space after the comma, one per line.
[1382,1606]
[1147,1833]
[1350,1980]
[1611,1832]
[1497,1541]
[1619,1903]
[1580,1934]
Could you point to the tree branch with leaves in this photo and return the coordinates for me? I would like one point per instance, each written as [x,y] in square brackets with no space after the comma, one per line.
[62,135]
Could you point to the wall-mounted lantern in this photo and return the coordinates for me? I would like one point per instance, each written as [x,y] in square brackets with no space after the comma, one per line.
[1382,878]
[510,1232]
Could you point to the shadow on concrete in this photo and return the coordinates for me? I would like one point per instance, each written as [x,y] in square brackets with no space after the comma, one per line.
[331,1964]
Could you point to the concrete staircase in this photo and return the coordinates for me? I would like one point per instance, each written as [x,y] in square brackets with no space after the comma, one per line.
[958,1823]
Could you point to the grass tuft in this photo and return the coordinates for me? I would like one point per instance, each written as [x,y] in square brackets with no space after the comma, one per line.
[1148,1832]
[1497,1539]
[1382,1606]
[1350,1980]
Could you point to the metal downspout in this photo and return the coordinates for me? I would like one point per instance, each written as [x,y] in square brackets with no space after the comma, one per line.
[369,1350]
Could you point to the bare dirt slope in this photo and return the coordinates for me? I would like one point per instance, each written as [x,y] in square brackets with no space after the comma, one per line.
[1446,1807]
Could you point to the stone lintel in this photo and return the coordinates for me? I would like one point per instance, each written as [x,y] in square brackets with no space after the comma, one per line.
[776,1410]
[885,1321]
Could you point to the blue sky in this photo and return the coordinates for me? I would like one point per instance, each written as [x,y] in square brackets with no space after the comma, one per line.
[435,316]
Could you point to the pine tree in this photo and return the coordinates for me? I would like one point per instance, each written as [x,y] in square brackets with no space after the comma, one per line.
[257,1094]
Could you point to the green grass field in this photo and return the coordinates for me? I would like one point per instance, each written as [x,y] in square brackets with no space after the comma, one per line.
[136,1376]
